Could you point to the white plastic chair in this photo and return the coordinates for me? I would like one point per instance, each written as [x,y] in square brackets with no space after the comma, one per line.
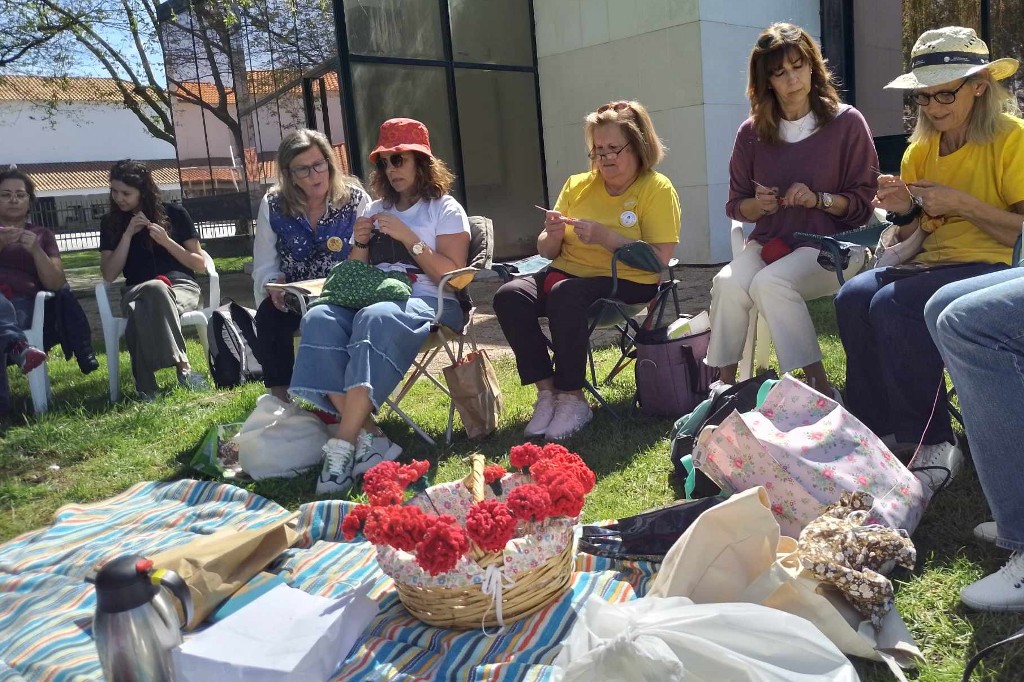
[39,378]
[114,327]
[757,349]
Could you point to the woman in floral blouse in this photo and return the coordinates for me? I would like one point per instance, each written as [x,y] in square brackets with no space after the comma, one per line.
[303,228]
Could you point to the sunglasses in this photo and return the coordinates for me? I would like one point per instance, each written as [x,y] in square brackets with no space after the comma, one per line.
[617,106]
[396,161]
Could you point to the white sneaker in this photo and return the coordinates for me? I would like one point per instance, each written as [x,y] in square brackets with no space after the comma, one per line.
[1001,591]
[571,415]
[371,450]
[986,532]
[336,473]
[939,464]
[543,411]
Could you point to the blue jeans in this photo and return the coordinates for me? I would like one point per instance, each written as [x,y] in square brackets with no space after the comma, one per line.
[341,348]
[978,325]
[893,369]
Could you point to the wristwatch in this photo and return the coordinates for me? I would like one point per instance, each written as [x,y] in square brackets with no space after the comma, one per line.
[418,248]
[826,200]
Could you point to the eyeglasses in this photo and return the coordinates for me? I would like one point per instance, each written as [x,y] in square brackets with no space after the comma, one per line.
[304,171]
[611,154]
[396,161]
[945,97]
[13,196]
[617,106]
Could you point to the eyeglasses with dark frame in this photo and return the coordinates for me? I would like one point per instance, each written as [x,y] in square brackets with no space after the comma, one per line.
[617,106]
[13,196]
[923,99]
[396,161]
[611,154]
[304,171]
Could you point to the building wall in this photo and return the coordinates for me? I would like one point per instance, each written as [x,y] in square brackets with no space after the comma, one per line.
[686,61]
[878,58]
[81,132]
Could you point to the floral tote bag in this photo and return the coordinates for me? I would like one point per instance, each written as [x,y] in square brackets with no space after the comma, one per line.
[806,450]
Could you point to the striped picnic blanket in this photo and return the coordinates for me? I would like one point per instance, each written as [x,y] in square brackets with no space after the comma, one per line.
[46,607]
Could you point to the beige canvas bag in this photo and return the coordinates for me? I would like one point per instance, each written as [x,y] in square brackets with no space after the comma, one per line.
[734,552]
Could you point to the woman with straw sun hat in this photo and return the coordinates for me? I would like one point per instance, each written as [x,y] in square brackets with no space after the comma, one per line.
[962,183]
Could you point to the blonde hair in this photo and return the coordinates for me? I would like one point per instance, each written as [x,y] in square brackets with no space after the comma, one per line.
[635,123]
[291,195]
[770,51]
[986,114]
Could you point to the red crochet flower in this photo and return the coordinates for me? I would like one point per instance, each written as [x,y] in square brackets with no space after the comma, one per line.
[493,472]
[399,527]
[442,545]
[385,483]
[564,461]
[566,493]
[490,524]
[529,502]
[375,527]
[354,520]
[522,456]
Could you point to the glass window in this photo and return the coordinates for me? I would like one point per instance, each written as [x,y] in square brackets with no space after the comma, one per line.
[390,91]
[491,32]
[501,154]
[394,28]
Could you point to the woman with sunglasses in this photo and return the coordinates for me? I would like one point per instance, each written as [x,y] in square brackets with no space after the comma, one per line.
[350,361]
[156,246]
[962,183]
[802,162]
[303,228]
[622,199]
[30,262]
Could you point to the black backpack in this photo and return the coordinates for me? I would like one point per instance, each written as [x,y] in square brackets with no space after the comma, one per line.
[231,333]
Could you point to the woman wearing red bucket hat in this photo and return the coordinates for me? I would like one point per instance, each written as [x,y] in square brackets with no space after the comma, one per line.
[349,361]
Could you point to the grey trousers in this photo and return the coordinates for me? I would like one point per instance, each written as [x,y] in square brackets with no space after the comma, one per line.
[153,334]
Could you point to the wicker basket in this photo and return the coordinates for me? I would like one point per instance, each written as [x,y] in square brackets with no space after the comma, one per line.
[467,606]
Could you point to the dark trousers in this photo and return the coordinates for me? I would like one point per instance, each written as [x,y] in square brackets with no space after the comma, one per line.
[520,303]
[65,322]
[893,369]
[275,338]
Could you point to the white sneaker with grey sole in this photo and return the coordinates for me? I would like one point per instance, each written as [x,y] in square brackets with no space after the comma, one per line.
[371,450]
[1001,591]
[336,473]
[938,464]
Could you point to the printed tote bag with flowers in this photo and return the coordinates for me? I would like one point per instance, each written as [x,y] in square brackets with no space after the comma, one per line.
[807,450]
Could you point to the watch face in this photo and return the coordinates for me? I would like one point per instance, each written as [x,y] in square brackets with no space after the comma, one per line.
[417,248]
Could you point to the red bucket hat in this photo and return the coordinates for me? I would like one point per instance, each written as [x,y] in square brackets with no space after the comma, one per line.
[399,135]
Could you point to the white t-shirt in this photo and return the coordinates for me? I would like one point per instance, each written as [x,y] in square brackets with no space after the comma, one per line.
[428,218]
[802,128]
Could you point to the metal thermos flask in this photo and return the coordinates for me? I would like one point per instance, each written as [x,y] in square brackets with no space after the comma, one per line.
[136,624]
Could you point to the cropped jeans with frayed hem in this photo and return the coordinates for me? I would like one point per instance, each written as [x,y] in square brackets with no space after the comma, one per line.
[978,326]
[341,348]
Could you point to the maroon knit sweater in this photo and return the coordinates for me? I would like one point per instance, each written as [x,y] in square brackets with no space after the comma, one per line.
[839,158]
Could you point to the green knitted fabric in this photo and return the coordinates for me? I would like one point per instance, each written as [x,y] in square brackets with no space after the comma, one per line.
[355,284]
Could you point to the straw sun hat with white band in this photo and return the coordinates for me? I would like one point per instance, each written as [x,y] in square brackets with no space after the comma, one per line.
[947,54]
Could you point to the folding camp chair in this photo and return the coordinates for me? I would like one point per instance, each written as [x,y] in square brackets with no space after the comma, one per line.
[609,312]
[442,338]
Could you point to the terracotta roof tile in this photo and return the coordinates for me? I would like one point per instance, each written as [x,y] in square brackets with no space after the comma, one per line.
[52,177]
[37,89]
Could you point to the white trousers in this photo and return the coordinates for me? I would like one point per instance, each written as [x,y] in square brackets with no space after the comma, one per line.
[779,292]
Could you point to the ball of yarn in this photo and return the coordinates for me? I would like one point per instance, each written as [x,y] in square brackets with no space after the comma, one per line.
[774,249]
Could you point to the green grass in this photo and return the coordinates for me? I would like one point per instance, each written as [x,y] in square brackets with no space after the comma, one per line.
[101,449]
[87,263]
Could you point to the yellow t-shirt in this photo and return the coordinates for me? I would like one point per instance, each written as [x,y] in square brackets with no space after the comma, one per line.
[993,173]
[648,210]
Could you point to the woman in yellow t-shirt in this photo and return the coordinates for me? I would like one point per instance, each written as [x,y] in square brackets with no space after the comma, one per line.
[621,199]
[962,183]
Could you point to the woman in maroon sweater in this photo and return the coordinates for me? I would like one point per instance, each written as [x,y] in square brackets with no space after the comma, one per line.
[802,162]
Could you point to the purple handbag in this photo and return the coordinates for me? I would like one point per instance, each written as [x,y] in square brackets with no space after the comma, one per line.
[671,375]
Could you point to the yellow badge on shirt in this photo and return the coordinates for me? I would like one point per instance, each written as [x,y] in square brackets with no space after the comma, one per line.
[335,244]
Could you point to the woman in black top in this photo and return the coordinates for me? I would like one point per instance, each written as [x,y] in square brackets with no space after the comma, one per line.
[156,246]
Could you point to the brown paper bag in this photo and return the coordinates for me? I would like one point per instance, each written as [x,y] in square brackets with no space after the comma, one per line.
[476,394]
[215,566]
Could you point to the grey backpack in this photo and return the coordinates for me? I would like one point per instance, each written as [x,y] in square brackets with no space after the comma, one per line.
[671,377]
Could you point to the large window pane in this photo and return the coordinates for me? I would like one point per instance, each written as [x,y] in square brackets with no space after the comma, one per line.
[390,91]
[501,153]
[491,31]
[394,28]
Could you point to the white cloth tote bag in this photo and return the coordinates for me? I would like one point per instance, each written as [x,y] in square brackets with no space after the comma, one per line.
[280,440]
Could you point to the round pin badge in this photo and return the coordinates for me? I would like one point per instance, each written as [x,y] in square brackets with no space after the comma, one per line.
[627,219]
[335,244]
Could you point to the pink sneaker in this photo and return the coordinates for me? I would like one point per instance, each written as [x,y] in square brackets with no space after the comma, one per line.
[543,411]
[571,415]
